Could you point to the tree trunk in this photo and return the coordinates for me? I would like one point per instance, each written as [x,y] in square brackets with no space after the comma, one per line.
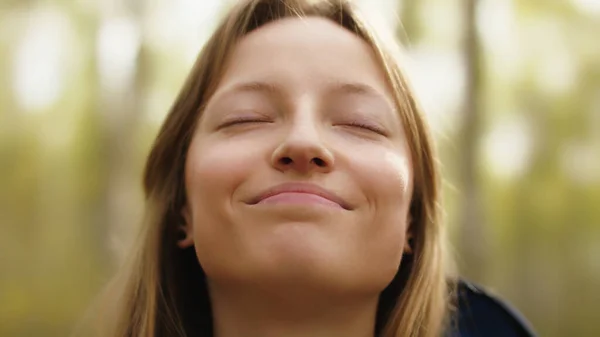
[120,114]
[472,239]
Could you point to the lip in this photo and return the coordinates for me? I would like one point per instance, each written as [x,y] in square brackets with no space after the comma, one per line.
[300,188]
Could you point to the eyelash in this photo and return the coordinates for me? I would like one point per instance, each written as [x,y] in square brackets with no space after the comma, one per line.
[249,120]
[243,120]
[367,127]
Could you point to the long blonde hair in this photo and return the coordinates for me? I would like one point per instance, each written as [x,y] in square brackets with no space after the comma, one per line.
[161,290]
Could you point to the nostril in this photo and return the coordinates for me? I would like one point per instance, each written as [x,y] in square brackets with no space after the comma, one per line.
[286,160]
[319,162]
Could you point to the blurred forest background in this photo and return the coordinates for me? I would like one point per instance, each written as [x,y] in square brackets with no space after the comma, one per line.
[512,88]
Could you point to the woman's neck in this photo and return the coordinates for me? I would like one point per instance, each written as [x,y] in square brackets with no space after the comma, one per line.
[290,313]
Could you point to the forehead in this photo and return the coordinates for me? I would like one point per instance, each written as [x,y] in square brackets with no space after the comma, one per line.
[308,49]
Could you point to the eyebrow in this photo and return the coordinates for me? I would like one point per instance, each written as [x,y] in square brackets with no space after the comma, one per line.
[334,87]
[252,86]
[354,88]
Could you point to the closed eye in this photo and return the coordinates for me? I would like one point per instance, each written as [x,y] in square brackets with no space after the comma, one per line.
[244,120]
[367,127]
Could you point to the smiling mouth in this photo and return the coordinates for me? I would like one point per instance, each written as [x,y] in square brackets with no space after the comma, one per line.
[298,198]
[299,194]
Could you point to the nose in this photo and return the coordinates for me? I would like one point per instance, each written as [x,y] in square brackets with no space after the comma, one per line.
[303,151]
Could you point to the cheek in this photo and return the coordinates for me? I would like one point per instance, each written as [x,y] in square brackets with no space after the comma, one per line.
[214,169]
[391,190]
[213,172]
[385,178]
[208,160]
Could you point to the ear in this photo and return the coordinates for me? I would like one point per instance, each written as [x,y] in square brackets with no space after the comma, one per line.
[186,238]
[408,249]
[408,243]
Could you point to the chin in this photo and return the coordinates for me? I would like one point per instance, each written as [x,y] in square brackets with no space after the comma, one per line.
[306,260]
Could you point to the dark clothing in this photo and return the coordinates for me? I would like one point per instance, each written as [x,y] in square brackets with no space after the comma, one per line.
[483,315]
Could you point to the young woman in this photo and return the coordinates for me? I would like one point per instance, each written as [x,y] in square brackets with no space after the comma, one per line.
[292,191]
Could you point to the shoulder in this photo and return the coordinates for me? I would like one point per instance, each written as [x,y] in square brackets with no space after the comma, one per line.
[481,314]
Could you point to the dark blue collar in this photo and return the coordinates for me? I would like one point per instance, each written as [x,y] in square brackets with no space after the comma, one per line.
[481,314]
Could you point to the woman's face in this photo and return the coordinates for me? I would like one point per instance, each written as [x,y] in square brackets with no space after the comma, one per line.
[299,170]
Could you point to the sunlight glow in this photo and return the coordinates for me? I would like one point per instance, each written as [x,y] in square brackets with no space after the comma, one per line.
[182,25]
[381,13]
[507,148]
[117,48]
[41,60]
[587,6]
[498,26]
[439,84]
